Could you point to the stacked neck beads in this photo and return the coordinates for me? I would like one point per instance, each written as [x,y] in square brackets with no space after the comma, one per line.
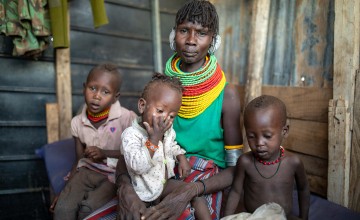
[201,87]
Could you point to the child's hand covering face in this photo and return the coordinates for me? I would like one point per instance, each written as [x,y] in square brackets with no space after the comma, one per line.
[159,126]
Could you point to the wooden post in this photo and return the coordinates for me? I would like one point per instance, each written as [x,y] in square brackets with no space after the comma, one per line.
[63,83]
[259,25]
[346,63]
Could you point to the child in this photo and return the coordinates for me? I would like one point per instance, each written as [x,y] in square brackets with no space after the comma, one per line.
[149,145]
[266,174]
[97,133]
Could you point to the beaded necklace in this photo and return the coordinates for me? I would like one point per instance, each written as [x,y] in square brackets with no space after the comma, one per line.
[275,161]
[201,87]
[270,163]
[98,116]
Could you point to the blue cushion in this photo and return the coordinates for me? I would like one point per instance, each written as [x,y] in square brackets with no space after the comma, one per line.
[59,158]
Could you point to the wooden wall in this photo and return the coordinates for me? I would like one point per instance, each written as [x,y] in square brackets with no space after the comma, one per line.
[298,54]
[313,47]
[27,85]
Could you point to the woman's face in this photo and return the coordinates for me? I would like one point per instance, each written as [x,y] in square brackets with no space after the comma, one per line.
[192,44]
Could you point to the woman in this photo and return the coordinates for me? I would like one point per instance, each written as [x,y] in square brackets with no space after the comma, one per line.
[208,121]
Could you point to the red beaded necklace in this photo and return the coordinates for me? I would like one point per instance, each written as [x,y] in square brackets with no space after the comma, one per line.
[99,116]
[275,161]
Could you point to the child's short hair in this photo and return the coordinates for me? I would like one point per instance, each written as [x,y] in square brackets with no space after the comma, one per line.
[109,68]
[265,101]
[172,82]
[200,11]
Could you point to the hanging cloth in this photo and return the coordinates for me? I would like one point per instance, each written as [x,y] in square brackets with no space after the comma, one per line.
[99,13]
[59,23]
[27,23]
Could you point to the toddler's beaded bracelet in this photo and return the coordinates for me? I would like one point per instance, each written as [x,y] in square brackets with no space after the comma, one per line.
[151,146]
[202,181]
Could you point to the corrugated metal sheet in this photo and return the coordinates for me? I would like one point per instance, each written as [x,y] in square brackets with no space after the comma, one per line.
[299,42]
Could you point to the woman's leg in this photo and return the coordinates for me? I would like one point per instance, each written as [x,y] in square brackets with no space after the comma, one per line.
[101,191]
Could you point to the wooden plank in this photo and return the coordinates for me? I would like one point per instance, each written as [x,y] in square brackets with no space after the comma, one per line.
[316,171]
[354,191]
[304,103]
[317,185]
[308,137]
[63,80]
[314,165]
[63,91]
[52,122]
[346,62]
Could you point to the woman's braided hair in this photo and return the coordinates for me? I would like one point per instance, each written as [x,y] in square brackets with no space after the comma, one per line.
[200,11]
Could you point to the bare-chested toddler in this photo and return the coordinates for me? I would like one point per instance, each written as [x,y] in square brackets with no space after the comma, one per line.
[268,172]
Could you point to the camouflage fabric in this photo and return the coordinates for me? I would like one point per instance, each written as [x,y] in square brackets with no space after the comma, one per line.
[28,23]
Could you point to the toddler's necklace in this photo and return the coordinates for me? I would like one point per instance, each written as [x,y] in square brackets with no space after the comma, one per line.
[98,116]
[270,163]
[275,161]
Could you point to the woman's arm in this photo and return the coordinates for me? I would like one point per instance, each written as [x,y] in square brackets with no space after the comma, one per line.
[231,116]
[130,206]
[235,195]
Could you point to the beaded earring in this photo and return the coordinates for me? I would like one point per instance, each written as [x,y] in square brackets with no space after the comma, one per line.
[172,39]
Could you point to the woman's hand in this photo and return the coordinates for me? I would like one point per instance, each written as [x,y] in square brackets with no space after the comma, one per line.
[131,207]
[173,205]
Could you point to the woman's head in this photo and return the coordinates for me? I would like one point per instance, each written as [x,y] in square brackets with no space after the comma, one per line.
[161,97]
[195,33]
[201,12]
[102,87]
